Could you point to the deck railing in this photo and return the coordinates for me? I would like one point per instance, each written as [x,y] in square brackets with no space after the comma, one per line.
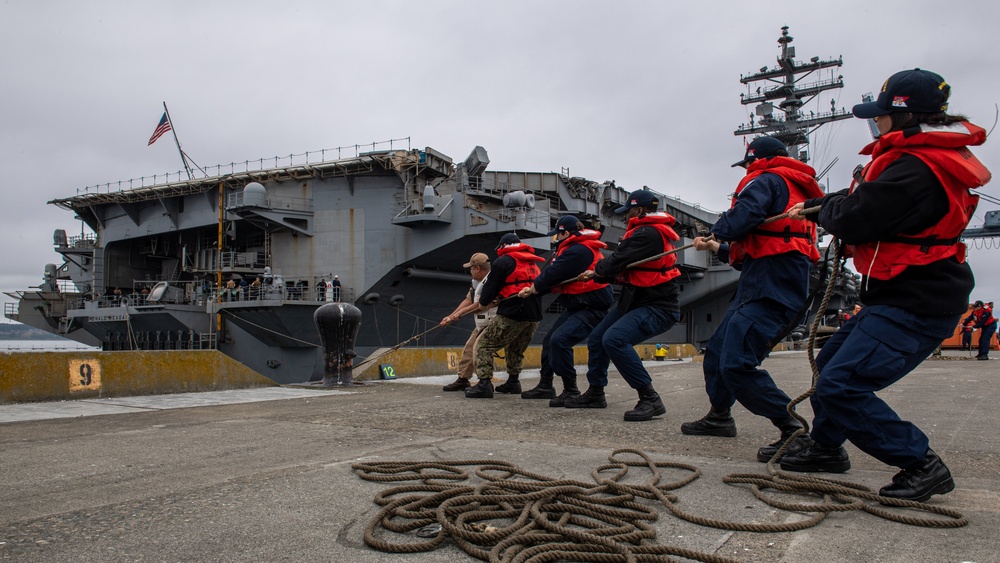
[308,157]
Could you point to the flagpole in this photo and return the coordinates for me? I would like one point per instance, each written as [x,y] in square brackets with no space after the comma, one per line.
[191,160]
[174,131]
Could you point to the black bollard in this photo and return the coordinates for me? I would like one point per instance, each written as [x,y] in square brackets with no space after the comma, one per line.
[338,325]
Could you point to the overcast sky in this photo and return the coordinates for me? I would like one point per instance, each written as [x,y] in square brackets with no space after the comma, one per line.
[644,93]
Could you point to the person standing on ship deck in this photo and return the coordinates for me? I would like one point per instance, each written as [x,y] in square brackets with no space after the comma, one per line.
[335,289]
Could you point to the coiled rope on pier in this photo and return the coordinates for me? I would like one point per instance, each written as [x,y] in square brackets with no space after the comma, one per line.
[514,515]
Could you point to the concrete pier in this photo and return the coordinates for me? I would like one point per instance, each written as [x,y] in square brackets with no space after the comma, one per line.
[213,477]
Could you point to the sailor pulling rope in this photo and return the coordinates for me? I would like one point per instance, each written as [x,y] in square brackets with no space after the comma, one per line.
[587,275]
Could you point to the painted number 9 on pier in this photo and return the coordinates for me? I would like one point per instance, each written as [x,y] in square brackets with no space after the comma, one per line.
[84,375]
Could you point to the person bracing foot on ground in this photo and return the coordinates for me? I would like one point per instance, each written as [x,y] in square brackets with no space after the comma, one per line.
[646,307]
[479,268]
[774,260]
[902,221]
[517,317]
[983,319]
[584,304]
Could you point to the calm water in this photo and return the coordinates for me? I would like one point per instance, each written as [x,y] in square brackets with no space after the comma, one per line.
[42,345]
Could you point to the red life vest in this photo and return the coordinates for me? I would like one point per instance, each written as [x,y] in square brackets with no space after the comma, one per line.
[662,269]
[977,315]
[783,235]
[590,239]
[944,150]
[525,271]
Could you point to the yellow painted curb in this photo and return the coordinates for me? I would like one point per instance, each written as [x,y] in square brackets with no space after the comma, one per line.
[53,376]
[48,376]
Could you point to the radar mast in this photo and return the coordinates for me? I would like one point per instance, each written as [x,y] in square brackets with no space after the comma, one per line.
[781,91]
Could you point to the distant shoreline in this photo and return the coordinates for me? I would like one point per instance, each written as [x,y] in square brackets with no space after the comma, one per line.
[18,331]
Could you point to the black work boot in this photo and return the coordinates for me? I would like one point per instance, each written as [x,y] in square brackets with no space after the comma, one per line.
[511,387]
[788,426]
[481,390]
[649,405]
[817,458]
[592,399]
[918,483]
[570,392]
[715,423]
[544,389]
[460,384]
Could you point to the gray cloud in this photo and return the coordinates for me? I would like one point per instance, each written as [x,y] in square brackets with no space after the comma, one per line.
[644,93]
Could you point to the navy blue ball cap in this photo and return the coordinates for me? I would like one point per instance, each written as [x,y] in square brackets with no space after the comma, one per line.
[509,238]
[566,224]
[908,91]
[639,198]
[761,147]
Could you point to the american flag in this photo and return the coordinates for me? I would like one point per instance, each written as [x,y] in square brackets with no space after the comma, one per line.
[162,127]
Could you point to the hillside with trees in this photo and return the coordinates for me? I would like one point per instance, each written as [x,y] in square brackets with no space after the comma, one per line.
[18,331]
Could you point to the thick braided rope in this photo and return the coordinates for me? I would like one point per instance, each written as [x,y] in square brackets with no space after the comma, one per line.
[516,515]
[513,515]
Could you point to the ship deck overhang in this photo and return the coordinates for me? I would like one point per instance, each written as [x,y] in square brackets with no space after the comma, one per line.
[364,164]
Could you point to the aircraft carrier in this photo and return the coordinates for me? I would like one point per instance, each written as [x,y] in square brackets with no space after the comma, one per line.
[239,260]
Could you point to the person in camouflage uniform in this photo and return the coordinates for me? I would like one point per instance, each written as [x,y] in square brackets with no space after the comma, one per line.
[517,317]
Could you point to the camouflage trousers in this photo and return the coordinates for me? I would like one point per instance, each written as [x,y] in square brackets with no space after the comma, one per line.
[502,332]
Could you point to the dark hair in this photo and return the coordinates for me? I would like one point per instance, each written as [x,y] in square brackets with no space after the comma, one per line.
[902,121]
[780,152]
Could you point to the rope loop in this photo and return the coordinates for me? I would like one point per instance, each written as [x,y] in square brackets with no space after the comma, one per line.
[496,511]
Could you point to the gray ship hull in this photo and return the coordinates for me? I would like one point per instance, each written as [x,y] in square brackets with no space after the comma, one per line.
[394,226]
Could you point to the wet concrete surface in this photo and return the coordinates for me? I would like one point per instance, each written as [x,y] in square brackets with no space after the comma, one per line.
[265,474]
